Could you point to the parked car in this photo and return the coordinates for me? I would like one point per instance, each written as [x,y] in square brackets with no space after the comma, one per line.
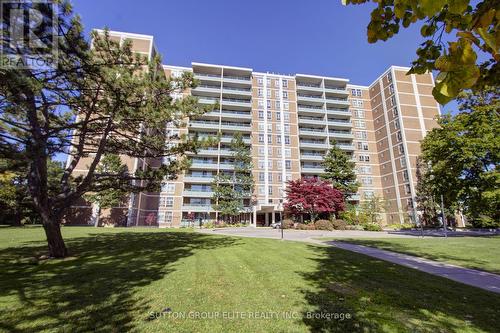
[276,225]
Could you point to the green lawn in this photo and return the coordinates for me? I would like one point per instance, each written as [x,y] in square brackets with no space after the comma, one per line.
[116,278]
[473,252]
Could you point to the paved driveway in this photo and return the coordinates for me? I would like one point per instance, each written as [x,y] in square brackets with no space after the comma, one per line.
[310,235]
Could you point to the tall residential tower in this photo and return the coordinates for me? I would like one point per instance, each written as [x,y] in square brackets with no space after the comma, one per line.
[289,122]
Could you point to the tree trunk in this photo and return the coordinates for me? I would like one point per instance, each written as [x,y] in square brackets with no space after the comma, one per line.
[57,248]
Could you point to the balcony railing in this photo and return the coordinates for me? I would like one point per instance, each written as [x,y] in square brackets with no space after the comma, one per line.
[310,96]
[308,85]
[311,130]
[336,88]
[234,77]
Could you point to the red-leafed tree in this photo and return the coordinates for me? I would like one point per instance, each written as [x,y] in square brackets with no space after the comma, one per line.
[312,196]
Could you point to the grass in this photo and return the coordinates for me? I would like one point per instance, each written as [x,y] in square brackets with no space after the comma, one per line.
[481,253]
[116,278]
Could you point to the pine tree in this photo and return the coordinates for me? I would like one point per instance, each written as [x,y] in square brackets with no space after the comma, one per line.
[100,98]
[231,189]
[339,170]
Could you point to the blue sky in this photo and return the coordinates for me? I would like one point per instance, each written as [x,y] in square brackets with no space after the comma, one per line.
[310,37]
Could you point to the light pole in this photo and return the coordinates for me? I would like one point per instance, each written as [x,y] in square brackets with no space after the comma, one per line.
[280,207]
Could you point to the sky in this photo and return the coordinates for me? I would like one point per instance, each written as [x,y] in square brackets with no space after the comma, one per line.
[319,37]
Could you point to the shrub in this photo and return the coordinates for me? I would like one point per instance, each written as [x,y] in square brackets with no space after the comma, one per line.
[372,227]
[323,225]
[339,224]
[354,227]
[349,216]
[303,226]
[208,225]
[288,224]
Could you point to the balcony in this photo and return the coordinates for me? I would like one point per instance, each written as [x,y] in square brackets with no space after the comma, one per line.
[207,100]
[347,147]
[238,79]
[340,134]
[312,132]
[311,157]
[228,139]
[314,99]
[339,123]
[205,124]
[338,112]
[311,109]
[204,165]
[311,120]
[226,166]
[313,144]
[301,86]
[336,90]
[198,194]
[237,91]
[312,169]
[189,207]
[354,197]
[237,102]
[235,126]
[330,100]
[204,88]
[198,179]
[207,77]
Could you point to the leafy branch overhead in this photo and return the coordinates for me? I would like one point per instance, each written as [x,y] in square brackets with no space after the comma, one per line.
[456,31]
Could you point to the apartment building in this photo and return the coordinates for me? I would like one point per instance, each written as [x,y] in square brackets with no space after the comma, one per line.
[289,122]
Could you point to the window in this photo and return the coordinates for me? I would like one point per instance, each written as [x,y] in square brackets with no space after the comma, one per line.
[269,138]
[278,152]
[357,103]
[270,151]
[288,177]
[405,175]
[260,92]
[359,124]
[285,94]
[278,106]
[407,189]
[261,126]
[409,202]
[168,188]
[287,140]
[361,135]
[366,180]
[268,93]
[261,114]
[262,190]
[359,113]
[278,138]
[396,124]
[270,177]
[261,151]
[395,111]
[277,93]
[391,88]
[262,176]
[368,194]
[285,83]
[364,158]
[268,81]
[286,116]
[399,136]
[268,103]
[261,138]
[278,116]
[270,190]
[288,152]
[166,201]
[269,115]
[401,149]
[260,81]
[262,164]
[287,128]
[260,103]
[393,100]
[286,105]
[389,77]
[402,162]
[365,169]
[288,164]
[165,217]
[356,92]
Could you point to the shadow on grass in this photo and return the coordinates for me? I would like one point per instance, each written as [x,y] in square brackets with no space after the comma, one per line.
[384,297]
[94,291]
[442,255]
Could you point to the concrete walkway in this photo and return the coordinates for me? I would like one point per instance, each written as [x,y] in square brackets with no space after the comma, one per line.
[471,277]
